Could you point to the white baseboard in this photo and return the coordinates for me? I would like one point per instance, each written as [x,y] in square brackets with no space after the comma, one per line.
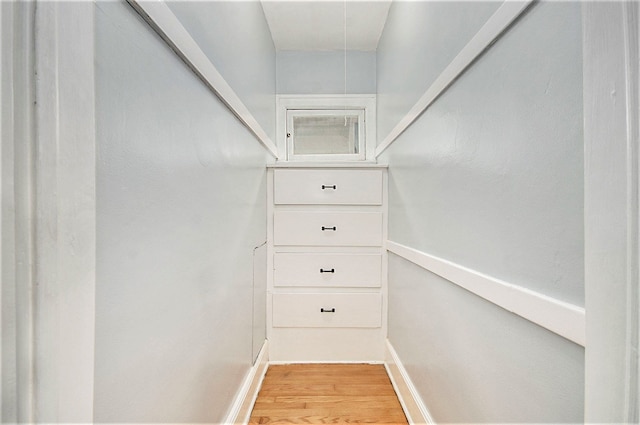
[413,406]
[248,393]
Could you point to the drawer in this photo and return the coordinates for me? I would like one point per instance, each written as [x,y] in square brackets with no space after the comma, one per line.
[327,270]
[340,310]
[332,187]
[300,228]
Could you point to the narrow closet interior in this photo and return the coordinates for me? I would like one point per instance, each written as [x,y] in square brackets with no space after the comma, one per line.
[428,193]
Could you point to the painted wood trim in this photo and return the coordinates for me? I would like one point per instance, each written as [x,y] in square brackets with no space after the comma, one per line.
[168,26]
[484,38]
[327,101]
[564,319]
[308,165]
[242,406]
[285,362]
[611,93]
[17,110]
[65,213]
[410,400]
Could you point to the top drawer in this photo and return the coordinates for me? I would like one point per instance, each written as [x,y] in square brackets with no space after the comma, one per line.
[329,187]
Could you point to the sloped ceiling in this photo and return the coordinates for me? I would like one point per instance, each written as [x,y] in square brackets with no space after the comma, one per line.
[320,24]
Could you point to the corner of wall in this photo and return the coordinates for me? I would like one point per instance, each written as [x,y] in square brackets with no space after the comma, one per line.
[412,404]
[242,406]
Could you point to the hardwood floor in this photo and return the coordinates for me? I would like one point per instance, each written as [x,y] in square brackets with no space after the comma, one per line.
[327,393]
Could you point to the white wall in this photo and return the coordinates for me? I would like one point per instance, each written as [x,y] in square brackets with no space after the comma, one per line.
[474,362]
[181,204]
[323,72]
[236,39]
[490,177]
[420,39]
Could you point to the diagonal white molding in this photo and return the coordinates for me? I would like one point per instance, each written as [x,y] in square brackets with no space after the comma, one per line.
[562,318]
[168,26]
[484,38]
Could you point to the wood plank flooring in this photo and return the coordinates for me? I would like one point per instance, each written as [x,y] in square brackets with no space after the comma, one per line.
[327,393]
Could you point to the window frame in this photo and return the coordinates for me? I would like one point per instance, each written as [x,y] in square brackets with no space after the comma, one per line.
[291,137]
[350,103]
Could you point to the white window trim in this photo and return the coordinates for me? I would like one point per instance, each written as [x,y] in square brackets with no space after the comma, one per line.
[319,102]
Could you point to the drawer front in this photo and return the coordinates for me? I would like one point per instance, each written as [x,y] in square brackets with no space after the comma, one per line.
[327,310]
[327,270]
[299,228]
[332,187]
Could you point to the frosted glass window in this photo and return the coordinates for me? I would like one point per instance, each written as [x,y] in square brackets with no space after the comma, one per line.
[331,134]
[325,135]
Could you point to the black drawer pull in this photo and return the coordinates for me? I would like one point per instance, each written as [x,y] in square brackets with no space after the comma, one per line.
[329,228]
[327,271]
[322,310]
[326,186]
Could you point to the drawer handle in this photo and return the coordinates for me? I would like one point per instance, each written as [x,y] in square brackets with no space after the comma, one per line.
[326,186]
[322,310]
[329,228]
[327,271]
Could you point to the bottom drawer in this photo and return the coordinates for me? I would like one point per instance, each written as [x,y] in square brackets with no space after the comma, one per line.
[327,310]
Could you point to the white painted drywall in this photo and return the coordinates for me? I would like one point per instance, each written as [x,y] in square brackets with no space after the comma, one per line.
[490,177]
[419,40]
[181,205]
[323,72]
[236,38]
[326,25]
[474,362]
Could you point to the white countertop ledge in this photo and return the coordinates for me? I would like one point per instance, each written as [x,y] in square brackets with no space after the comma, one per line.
[303,164]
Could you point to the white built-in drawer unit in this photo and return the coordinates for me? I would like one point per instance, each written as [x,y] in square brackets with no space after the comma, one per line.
[327,270]
[313,228]
[327,283]
[328,187]
[324,310]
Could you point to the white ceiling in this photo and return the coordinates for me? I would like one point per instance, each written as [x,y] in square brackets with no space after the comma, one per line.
[320,24]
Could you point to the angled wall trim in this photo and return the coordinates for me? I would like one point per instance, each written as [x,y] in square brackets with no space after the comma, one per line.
[166,24]
[484,38]
[564,319]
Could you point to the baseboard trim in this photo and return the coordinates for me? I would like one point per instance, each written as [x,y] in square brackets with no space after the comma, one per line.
[412,404]
[248,393]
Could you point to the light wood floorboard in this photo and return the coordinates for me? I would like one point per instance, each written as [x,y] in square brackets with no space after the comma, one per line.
[327,393]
